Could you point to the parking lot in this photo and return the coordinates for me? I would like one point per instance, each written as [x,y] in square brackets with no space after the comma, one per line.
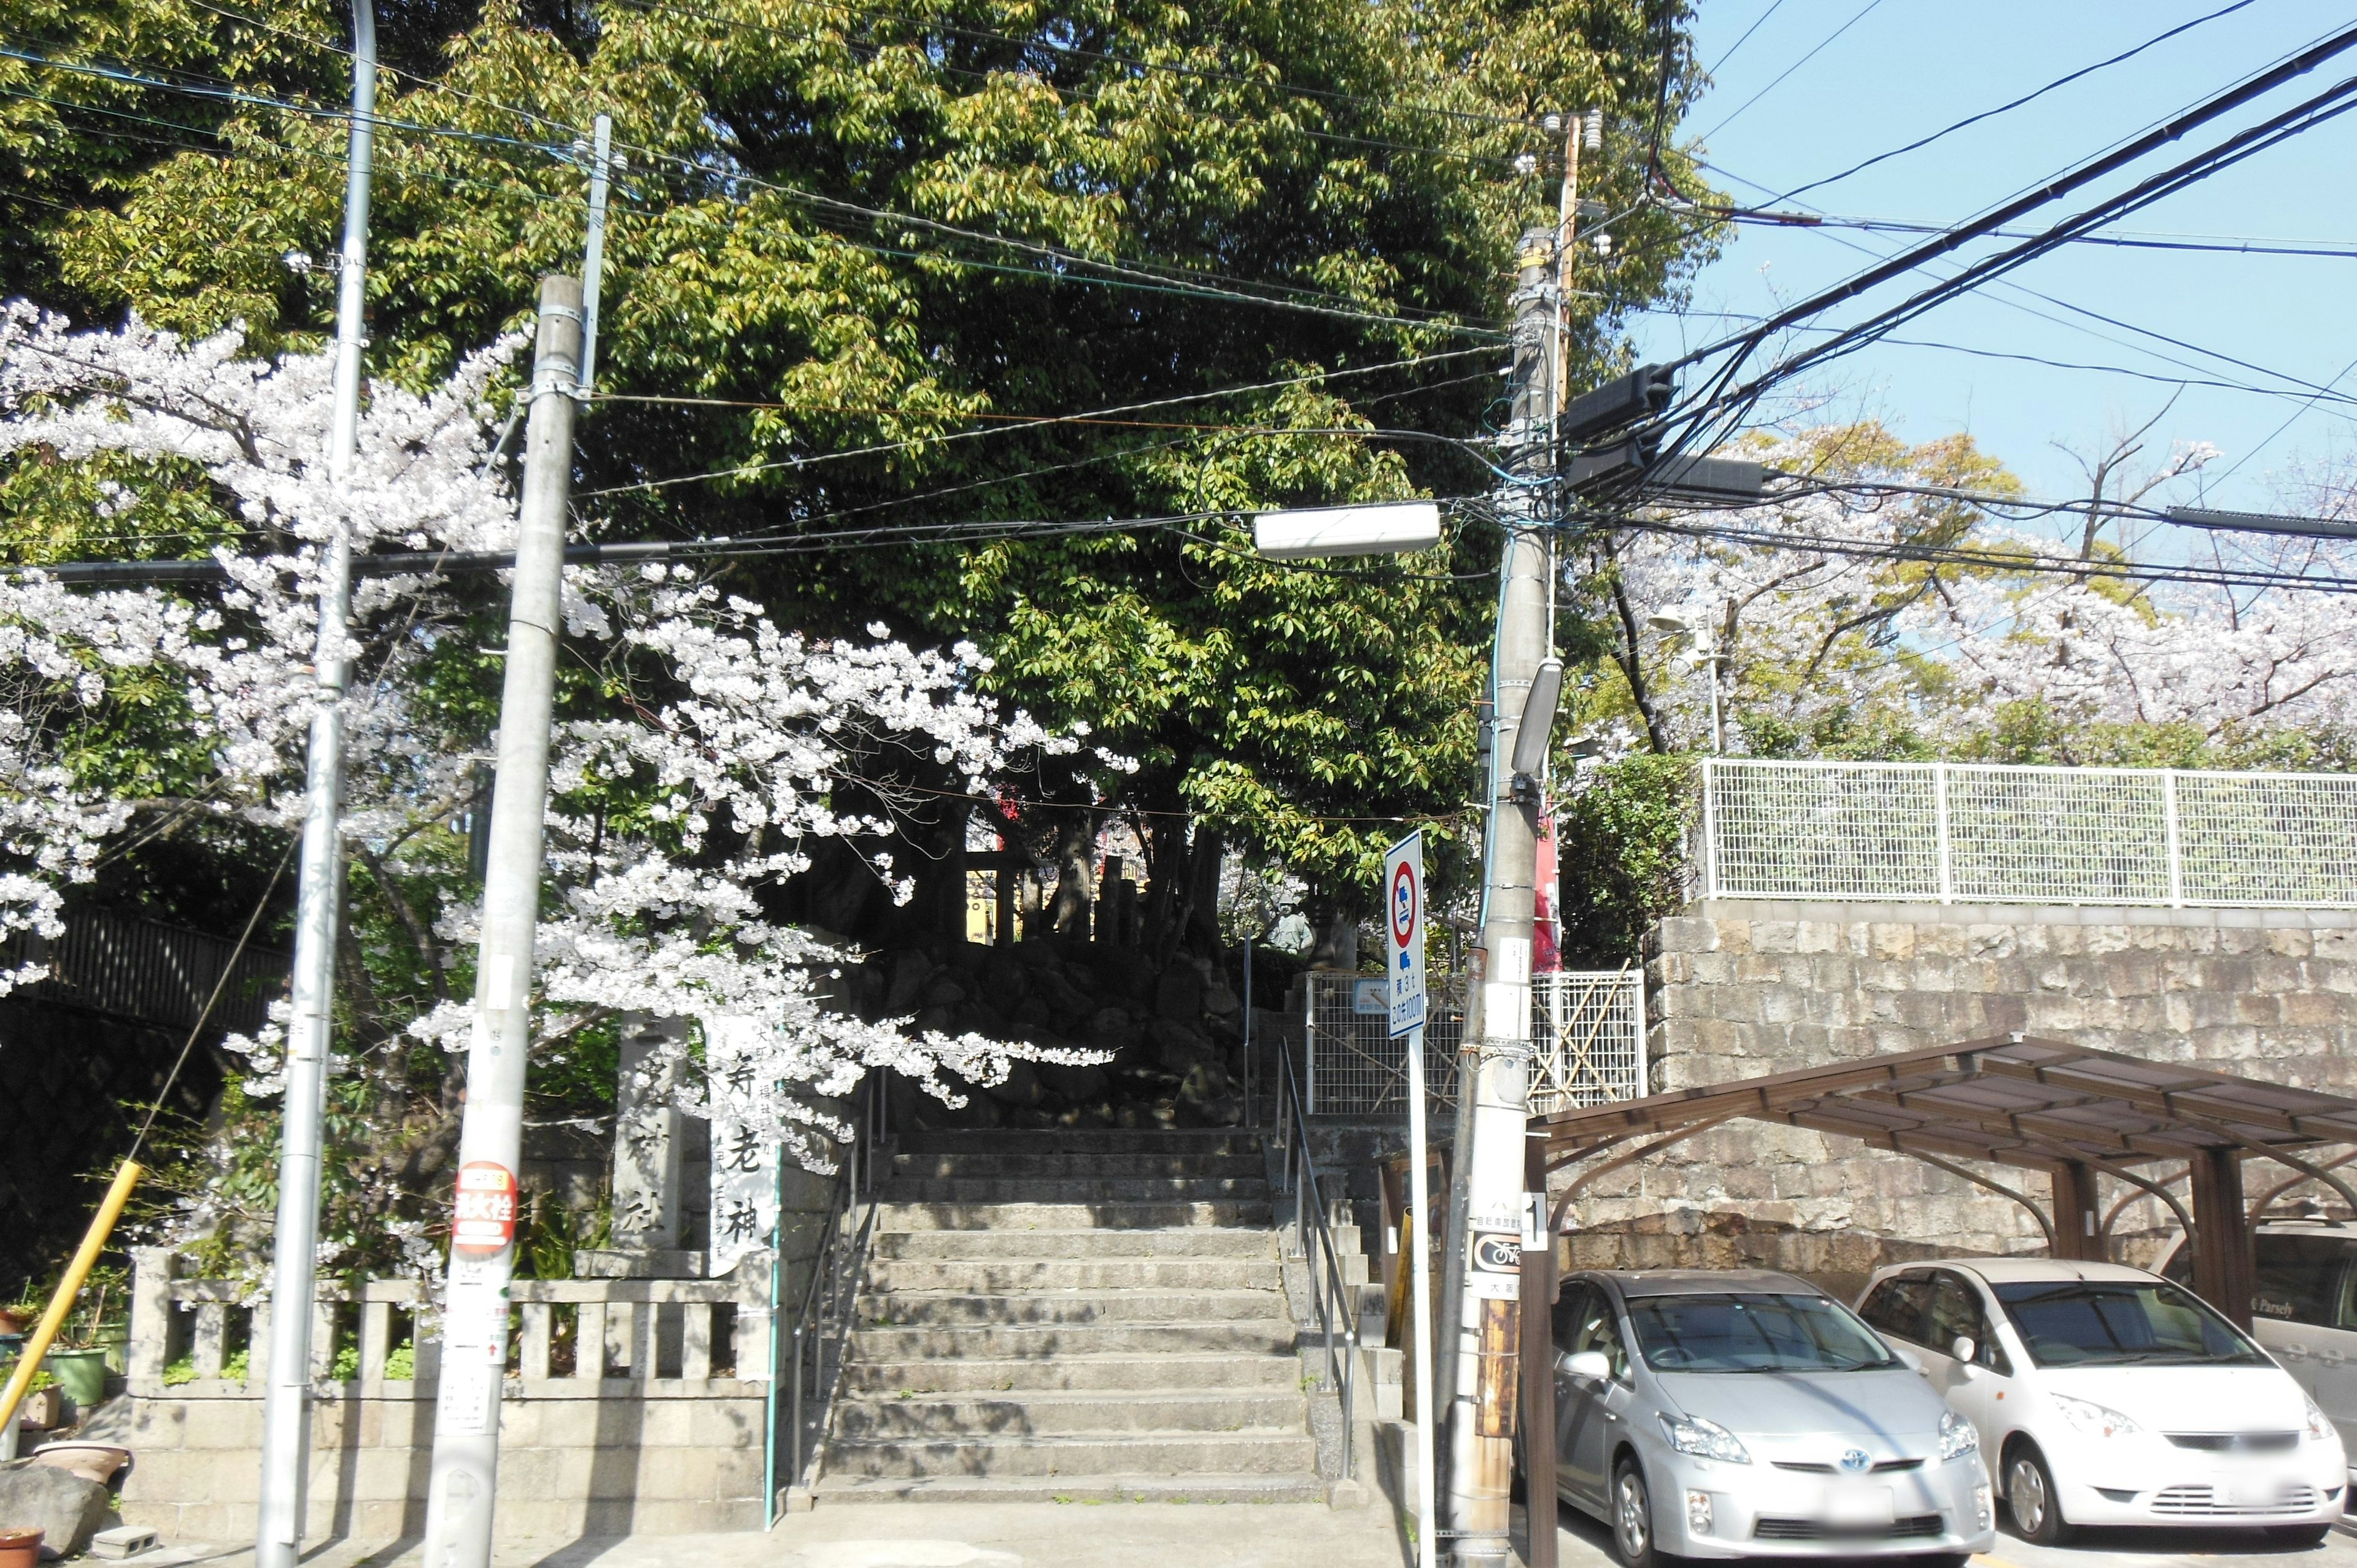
[1581,1542]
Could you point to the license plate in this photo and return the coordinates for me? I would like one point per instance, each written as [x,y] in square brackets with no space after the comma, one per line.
[1857,1505]
[2247,1494]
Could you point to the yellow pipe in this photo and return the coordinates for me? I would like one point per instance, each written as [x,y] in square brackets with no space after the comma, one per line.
[46,1331]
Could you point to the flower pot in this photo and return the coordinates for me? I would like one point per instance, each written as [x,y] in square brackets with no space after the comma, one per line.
[42,1409]
[19,1548]
[82,1375]
[12,1321]
[91,1461]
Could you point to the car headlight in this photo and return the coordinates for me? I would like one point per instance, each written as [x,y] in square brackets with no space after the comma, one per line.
[2095,1420]
[1957,1437]
[2319,1426]
[1704,1439]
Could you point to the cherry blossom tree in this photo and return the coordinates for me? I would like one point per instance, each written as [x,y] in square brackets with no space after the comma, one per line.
[694,770]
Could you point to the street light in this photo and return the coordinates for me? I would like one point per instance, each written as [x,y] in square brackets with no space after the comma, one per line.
[1388,528]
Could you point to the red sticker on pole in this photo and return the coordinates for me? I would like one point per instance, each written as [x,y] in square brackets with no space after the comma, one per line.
[485,1221]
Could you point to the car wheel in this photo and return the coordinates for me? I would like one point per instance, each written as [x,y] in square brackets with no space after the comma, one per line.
[2298,1534]
[1632,1519]
[2031,1506]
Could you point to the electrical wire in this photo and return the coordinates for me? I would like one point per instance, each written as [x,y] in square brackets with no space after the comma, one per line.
[2027,98]
[1863,13]
[1042,421]
[1172,278]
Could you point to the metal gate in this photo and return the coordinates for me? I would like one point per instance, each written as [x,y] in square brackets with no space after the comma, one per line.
[1589,1028]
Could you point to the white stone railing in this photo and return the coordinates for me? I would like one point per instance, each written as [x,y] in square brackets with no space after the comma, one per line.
[1940,832]
[657,1338]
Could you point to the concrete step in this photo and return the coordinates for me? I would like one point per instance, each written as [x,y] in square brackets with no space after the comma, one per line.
[992,1417]
[1142,1375]
[1184,1454]
[1086,1167]
[1106,1215]
[1076,1141]
[1068,1489]
[1230,1337]
[1074,1189]
[996,1277]
[970,1246]
[949,1309]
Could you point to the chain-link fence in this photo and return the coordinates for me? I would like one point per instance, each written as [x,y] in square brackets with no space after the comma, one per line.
[1946,833]
[1590,1029]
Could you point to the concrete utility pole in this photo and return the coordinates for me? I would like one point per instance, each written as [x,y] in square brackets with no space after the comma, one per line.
[294,1263]
[461,1490]
[1482,1315]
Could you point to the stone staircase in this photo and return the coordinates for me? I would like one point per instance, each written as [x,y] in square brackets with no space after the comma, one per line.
[1081,1316]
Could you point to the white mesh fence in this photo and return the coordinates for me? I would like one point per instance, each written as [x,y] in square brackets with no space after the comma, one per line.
[1590,1029]
[1944,832]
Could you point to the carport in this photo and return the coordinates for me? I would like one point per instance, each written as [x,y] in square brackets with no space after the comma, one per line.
[2069,1111]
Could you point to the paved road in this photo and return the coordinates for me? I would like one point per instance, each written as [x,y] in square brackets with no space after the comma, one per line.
[1048,1535]
[1581,1542]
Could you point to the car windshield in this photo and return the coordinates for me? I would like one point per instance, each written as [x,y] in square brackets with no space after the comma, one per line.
[2121,1323]
[1751,1333]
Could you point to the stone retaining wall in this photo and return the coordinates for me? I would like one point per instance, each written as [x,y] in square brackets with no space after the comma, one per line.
[623,1463]
[1737,989]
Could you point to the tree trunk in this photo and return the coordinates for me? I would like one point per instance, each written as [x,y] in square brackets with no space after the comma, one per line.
[1075,875]
[1200,933]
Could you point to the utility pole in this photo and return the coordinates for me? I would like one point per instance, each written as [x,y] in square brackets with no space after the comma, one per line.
[294,1264]
[461,1490]
[1482,1313]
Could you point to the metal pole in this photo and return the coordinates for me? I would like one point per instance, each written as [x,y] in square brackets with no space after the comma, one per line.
[1484,1320]
[461,1490]
[294,1263]
[1419,1183]
[1251,1119]
[592,254]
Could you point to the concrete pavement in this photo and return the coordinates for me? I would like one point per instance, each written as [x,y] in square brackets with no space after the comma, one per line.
[1188,1535]
[945,1535]
[1582,1542]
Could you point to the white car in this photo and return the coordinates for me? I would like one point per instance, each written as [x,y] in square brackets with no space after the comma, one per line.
[2104,1395]
[2304,1312]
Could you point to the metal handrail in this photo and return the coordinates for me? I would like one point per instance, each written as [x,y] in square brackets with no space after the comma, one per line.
[823,1325]
[1333,1295]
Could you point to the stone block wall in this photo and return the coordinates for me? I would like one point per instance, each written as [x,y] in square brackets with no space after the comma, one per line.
[1735,989]
[619,1463]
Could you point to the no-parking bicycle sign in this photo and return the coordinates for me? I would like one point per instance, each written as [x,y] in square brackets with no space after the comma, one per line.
[1403,919]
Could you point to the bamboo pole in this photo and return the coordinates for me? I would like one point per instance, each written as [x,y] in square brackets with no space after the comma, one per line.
[92,1242]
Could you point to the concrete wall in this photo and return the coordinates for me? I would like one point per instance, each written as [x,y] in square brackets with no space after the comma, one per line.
[630,1461]
[1736,989]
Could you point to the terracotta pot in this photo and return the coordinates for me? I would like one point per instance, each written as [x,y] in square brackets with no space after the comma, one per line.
[12,1321]
[91,1461]
[19,1548]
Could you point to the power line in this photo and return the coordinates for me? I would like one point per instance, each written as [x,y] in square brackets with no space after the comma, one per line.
[2032,97]
[1171,277]
[1788,70]
[2013,287]
[1044,420]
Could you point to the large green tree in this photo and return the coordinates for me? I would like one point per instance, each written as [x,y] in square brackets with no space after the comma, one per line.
[866,261]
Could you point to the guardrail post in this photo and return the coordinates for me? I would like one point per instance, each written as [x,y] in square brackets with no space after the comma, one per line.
[2176,844]
[1940,812]
[1709,828]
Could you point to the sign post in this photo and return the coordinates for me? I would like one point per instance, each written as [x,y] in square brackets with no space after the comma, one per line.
[1404,972]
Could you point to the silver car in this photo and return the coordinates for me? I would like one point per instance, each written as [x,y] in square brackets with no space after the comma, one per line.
[1744,1413]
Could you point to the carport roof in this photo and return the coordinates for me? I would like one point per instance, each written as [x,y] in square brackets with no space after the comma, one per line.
[2011,1100]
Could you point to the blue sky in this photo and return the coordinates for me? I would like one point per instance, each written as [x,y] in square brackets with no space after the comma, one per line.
[1906,68]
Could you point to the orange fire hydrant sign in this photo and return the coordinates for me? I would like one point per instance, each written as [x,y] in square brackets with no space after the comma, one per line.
[486,1219]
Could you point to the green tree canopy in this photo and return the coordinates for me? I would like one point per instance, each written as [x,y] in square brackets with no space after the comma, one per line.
[866,261]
